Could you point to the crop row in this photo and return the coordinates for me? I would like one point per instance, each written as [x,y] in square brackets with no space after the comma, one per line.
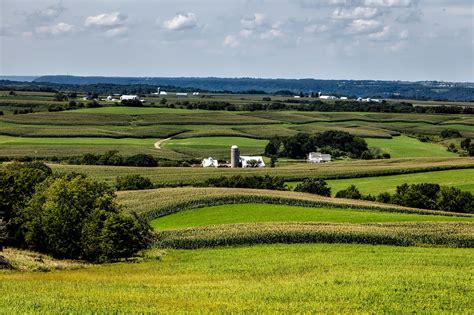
[445,234]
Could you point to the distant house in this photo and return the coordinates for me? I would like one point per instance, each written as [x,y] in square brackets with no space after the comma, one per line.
[328,97]
[251,161]
[163,93]
[344,98]
[210,162]
[129,97]
[318,157]
[296,96]
[195,93]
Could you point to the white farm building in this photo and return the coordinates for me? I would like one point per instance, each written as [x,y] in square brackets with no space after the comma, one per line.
[210,162]
[251,161]
[318,157]
[129,97]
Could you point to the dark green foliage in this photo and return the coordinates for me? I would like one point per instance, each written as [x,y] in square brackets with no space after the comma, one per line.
[450,133]
[256,182]
[145,160]
[131,103]
[465,143]
[133,182]
[470,151]
[350,192]
[60,97]
[78,218]
[332,141]
[314,186]
[435,197]
[384,197]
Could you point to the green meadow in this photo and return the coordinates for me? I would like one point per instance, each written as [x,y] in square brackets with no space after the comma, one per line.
[246,213]
[462,179]
[403,146]
[322,278]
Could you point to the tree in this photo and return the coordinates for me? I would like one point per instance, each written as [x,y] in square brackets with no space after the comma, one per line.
[67,218]
[141,160]
[314,186]
[470,151]
[60,97]
[133,182]
[450,133]
[465,143]
[453,199]
[12,93]
[350,192]
[423,195]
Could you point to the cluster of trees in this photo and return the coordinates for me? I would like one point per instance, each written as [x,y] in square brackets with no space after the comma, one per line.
[73,105]
[23,111]
[256,182]
[68,216]
[450,133]
[337,143]
[132,103]
[133,182]
[468,146]
[424,196]
[314,186]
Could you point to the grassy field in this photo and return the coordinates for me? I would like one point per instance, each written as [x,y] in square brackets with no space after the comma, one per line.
[247,213]
[462,179]
[217,147]
[327,278]
[404,146]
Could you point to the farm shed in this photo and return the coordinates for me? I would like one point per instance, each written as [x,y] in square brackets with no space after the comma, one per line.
[251,161]
[318,157]
[210,162]
[129,97]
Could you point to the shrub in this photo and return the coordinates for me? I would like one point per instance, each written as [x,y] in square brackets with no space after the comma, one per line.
[145,160]
[450,133]
[465,143]
[133,182]
[350,192]
[384,197]
[314,186]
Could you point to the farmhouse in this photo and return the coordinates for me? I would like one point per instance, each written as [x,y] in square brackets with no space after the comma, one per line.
[163,93]
[251,161]
[318,157]
[210,162]
[129,97]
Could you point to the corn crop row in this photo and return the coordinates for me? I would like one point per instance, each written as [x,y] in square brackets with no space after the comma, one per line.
[398,234]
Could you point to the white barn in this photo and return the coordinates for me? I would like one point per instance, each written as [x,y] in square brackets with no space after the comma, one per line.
[129,97]
[318,157]
[245,161]
[210,162]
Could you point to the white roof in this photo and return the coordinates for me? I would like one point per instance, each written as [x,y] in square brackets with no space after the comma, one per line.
[246,159]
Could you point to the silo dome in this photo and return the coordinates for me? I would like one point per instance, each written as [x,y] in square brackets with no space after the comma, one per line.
[234,147]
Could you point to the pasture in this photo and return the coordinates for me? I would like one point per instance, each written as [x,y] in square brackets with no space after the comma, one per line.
[335,278]
[247,213]
[403,146]
[462,179]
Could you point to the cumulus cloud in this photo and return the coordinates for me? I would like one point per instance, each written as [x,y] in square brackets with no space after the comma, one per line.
[231,41]
[355,13]
[388,3]
[383,34]
[255,21]
[106,20]
[182,21]
[56,29]
[363,26]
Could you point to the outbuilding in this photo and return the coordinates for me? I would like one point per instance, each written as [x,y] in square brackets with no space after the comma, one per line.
[318,157]
[210,162]
[251,161]
[129,97]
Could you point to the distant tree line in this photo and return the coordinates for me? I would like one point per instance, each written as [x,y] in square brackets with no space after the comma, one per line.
[67,216]
[334,142]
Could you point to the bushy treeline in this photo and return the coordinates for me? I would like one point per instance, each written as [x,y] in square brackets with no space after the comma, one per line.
[256,182]
[67,216]
[71,105]
[320,106]
[424,196]
[337,143]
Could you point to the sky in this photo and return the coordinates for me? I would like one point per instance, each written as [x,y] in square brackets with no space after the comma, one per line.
[324,39]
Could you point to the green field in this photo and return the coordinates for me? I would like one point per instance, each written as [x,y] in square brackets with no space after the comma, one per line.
[325,278]
[217,147]
[462,179]
[404,146]
[246,213]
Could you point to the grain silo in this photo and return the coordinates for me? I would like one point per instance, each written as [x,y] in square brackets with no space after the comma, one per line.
[234,156]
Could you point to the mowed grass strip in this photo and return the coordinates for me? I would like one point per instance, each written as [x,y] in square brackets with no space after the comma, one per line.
[254,213]
[462,179]
[403,146]
[445,234]
[297,278]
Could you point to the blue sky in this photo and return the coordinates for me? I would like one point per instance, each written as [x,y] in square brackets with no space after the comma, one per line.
[326,39]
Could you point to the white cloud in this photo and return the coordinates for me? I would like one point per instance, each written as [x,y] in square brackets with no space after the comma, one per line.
[356,13]
[115,32]
[363,26]
[404,34]
[56,29]
[271,34]
[388,3]
[256,21]
[181,21]
[106,20]
[231,41]
[384,34]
